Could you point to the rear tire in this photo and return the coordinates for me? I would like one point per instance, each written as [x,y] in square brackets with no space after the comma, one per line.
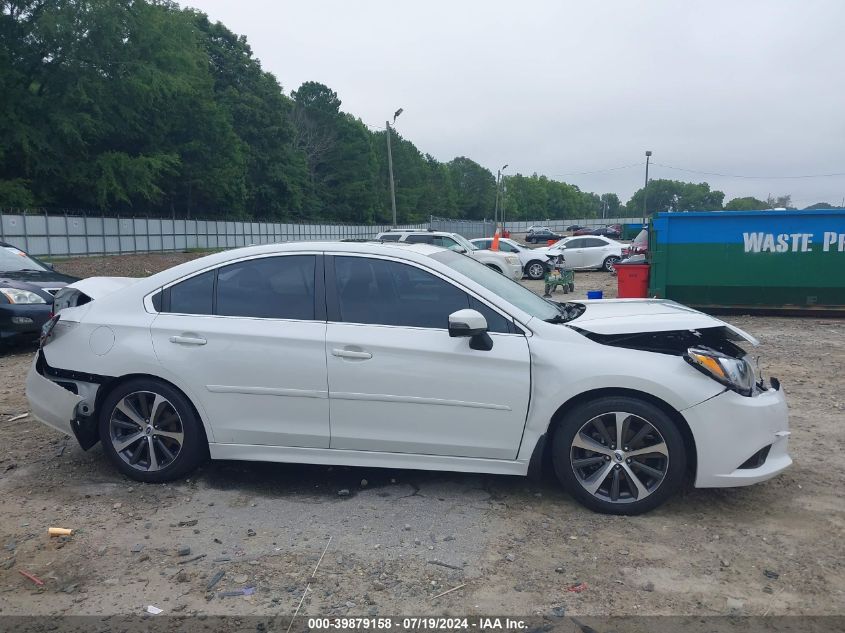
[608,478]
[150,431]
[609,263]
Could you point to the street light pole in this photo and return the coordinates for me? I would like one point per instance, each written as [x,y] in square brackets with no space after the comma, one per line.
[496,209]
[645,188]
[390,166]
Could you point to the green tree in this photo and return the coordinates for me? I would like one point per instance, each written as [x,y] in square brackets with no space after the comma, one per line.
[138,105]
[339,153]
[779,202]
[260,115]
[674,195]
[820,205]
[474,187]
[610,205]
[749,203]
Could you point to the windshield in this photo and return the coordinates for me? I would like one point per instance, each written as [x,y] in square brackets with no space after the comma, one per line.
[507,289]
[13,259]
[460,239]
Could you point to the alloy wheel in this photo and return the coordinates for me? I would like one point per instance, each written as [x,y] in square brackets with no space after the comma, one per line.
[619,457]
[536,270]
[610,264]
[146,431]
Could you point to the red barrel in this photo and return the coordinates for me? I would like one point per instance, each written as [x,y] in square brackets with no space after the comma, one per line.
[632,281]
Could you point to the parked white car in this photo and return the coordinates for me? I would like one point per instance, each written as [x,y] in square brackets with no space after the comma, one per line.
[500,262]
[592,251]
[534,264]
[403,356]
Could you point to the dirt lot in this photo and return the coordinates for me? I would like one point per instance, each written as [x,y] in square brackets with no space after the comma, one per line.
[394,540]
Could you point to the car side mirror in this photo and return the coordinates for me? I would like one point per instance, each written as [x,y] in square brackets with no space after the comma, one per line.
[50,266]
[457,249]
[471,324]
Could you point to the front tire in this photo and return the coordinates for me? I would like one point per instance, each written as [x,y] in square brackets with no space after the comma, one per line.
[619,455]
[535,269]
[150,431]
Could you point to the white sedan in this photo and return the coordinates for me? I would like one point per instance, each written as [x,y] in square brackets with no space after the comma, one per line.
[403,356]
[590,251]
[534,263]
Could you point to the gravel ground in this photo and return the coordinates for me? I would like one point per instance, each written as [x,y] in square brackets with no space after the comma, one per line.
[394,540]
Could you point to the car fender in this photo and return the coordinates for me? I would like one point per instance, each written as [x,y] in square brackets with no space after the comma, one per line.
[563,370]
[129,353]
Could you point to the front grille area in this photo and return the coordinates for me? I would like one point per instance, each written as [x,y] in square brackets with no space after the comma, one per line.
[757,459]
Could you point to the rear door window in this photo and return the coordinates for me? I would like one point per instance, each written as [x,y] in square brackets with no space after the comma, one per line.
[592,242]
[268,288]
[192,296]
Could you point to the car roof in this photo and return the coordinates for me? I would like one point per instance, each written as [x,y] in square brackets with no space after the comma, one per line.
[370,246]
[416,232]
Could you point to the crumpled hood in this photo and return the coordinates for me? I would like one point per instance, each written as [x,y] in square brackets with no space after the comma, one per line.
[631,316]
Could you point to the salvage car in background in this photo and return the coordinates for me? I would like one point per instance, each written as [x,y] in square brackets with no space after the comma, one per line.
[537,235]
[593,252]
[27,286]
[606,230]
[638,246]
[533,264]
[504,263]
[404,356]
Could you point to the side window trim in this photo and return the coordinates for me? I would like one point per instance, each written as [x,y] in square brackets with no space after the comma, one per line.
[332,302]
[333,307]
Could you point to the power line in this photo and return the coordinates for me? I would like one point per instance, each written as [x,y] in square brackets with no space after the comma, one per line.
[711,173]
[597,171]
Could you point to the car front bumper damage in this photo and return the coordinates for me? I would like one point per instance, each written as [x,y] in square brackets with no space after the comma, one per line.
[740,440]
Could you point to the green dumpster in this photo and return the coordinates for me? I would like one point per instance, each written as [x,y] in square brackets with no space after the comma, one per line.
[786,261]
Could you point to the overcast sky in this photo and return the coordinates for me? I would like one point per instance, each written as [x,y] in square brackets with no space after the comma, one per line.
[735,87]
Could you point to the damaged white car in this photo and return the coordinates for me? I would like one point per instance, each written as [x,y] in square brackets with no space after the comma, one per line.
[404,356]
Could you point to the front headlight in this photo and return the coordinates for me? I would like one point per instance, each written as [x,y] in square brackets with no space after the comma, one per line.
[735,373]
[16,295]
[512,259]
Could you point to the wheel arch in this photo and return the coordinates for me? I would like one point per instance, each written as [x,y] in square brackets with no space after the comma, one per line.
[535,261]
[542,450]
[108,387]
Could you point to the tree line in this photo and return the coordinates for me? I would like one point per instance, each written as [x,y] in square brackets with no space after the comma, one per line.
[141,106]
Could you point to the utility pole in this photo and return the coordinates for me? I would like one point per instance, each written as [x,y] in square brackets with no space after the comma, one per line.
[496,209]
[504,200]
[645,188]
[390,166]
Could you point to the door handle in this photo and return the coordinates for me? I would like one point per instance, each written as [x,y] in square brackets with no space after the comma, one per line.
[188,340]
[347,353]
